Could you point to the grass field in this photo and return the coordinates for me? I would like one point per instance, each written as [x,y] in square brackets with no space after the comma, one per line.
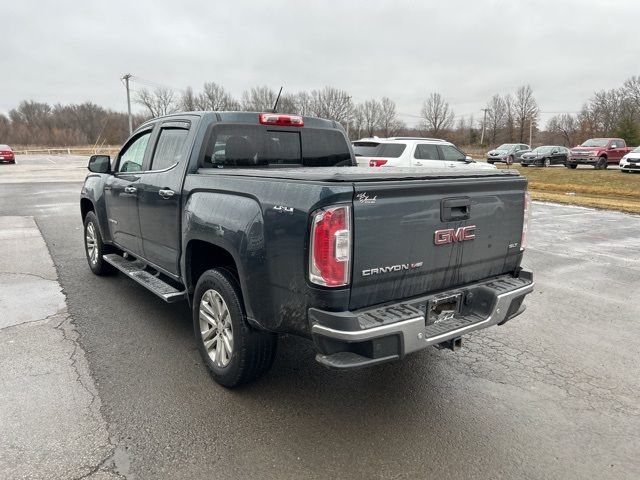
[610,189]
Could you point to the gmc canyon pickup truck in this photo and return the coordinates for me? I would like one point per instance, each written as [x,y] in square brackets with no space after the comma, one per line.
[599,152]
[264,224]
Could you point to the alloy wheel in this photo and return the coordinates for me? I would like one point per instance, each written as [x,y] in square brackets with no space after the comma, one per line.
[91,243]
[216,328]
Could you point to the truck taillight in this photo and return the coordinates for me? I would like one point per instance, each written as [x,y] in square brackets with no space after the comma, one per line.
[279,119]
[376,162]
[526,221]
[330,252]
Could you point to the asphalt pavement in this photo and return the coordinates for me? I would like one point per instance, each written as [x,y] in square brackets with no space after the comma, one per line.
[552,394]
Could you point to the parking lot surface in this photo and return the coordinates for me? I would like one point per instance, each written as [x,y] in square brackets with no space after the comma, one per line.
[552,394]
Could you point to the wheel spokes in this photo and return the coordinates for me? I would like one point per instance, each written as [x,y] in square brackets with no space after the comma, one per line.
[216,328]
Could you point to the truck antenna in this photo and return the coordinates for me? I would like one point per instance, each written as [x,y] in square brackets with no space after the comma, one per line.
[275,105]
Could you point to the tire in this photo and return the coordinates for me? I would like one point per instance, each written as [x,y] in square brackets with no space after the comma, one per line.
[218,313]
[524,164]
[94,247]
[490,163]
[601,164]
[572,166]
[510,160]
[546,162]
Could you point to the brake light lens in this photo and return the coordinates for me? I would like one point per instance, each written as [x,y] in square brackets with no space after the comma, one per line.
[377,162]
[330,253]
[526,223]
[278,119]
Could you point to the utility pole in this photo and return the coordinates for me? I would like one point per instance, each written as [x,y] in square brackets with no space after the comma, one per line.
[126,84]
[484,122]
[530,131]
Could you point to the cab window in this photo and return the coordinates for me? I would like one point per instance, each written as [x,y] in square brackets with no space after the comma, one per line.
[132,156]
[170,148]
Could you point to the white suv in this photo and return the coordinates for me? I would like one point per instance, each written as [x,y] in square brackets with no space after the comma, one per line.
[412,152]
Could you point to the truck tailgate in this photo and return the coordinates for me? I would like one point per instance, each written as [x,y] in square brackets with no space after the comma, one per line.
[395,255]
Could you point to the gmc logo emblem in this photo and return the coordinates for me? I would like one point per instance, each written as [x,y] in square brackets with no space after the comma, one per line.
[452,235]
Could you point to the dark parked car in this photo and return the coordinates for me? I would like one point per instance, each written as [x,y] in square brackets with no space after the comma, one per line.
[545,156]
[6,154]
[264,224]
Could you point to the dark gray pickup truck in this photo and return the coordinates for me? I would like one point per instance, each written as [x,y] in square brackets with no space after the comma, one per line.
[264,224]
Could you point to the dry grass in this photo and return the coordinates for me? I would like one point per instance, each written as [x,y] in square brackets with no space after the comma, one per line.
[609,189]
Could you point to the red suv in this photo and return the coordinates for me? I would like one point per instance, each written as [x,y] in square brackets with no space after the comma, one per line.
[598,152]
[6,154]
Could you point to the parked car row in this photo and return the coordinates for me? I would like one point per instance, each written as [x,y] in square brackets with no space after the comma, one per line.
[412,152]
[599,152]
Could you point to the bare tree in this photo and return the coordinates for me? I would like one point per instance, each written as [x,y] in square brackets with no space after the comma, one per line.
[358,119]
[215,98]
[565,125]
[158,102]
[389,123]
[188,100]
[526,110]
[371,116]
[258,99]
[333,104]
[496,117]
[304,103]
[437,114]
[631,91]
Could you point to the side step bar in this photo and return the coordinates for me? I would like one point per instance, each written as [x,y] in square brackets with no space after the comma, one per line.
[135,269]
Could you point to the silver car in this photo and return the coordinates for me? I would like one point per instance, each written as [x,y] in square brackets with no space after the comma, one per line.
[508,153]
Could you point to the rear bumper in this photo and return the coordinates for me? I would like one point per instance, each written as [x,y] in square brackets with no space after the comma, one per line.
[357,339]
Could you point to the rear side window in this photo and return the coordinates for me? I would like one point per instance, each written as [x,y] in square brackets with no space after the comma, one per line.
[390,150]
[170,148]
[365,149]
[259,146]
[425,151]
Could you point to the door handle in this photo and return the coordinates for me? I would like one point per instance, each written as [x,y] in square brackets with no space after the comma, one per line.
[166,193]
[419,164]
[130,189]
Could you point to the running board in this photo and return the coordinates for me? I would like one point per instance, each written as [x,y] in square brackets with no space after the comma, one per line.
[135,269]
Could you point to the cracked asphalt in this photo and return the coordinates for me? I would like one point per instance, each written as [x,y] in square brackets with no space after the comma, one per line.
[551,395]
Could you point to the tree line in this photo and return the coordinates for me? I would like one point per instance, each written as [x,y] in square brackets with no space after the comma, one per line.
[506,118]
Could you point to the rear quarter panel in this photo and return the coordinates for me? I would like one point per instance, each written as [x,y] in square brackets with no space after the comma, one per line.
[269,245]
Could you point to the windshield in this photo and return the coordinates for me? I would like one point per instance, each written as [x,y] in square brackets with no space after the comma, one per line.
[636,150]
[506,146]
[595,142]
[365,149]
[390,150]
[542,150]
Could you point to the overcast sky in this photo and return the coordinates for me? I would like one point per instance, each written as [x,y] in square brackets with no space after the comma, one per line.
[76,50]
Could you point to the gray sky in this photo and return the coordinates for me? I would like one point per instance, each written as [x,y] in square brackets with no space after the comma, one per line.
[76,50]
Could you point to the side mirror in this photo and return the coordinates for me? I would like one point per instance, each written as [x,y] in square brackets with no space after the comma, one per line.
[611,147]
[468,159]
[99,164]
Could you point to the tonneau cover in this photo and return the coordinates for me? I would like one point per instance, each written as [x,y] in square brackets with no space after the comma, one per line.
[357,174]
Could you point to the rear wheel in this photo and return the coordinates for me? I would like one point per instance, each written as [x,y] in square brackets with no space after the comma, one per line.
[546,162]
[572,166]
[94,247]
[601,164]
[233,351]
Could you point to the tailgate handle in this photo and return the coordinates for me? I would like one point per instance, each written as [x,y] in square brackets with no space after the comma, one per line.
[452,209]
